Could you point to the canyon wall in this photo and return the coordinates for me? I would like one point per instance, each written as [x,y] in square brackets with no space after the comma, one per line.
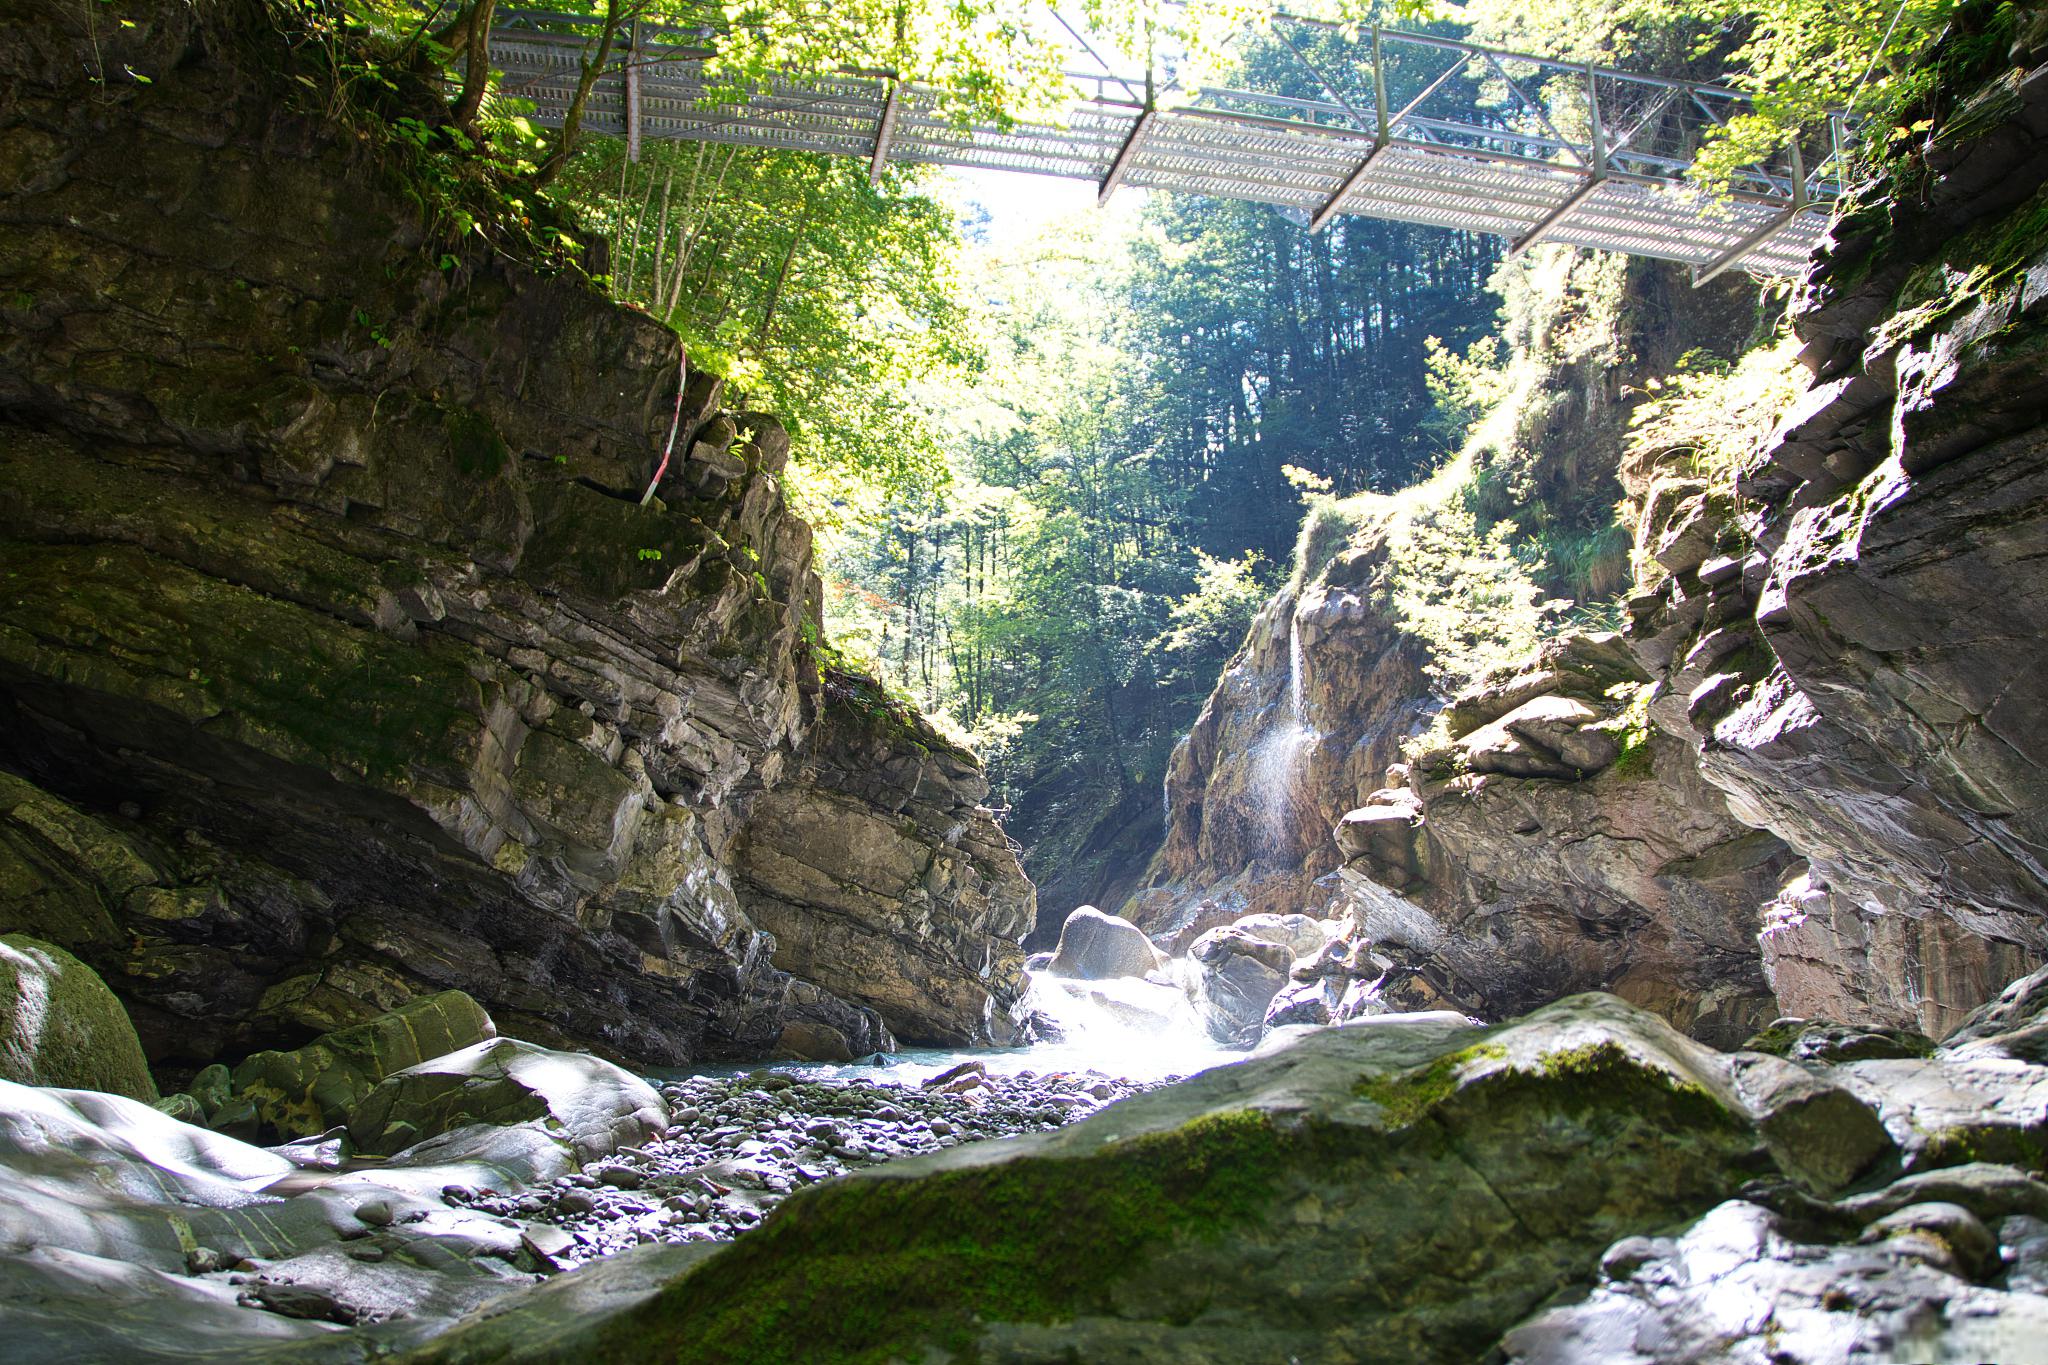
[1340,673]
[340,658]
[1854,636]
[1807,778]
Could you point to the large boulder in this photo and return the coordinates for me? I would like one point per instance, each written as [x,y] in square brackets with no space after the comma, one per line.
[1233,974]
[61,1026]
[311,1089]
[125,1234]
[1378,1192]
[586,1104]
[1094,947]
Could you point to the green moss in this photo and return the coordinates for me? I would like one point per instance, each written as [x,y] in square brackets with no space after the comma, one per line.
[1979,264]
[869,1270]
[2005,1146]
[475,444]
[286,681]
[1325,531]
[1777,1040]
[1406,1096]
[864,707]
[61,1026]
[1637,759]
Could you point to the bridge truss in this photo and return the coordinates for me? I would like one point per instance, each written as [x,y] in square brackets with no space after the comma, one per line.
[1434,131]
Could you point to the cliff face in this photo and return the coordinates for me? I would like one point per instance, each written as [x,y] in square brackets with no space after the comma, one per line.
[1301,726]
[1549,842]
[339,661]
[842,866]
[1855,640]
[1810,780]
[1552,842]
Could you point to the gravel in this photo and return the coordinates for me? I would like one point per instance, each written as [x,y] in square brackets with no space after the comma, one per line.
[737,1147]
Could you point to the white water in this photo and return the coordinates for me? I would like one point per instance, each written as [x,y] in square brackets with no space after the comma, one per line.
[1297,705]
[1282,754]
[1126,1028]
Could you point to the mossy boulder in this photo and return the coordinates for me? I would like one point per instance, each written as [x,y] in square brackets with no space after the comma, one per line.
[61,1026]
[1398,1190]
[314,1088]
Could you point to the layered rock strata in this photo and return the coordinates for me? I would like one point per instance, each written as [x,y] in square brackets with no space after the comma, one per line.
[1557,842]
[1853,636]
[340,660]
[885,880]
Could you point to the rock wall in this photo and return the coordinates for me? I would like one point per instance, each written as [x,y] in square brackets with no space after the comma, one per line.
[339,660]
[1554,842]
[1301,726]
[1854,637]
[1500,874]
[841,866]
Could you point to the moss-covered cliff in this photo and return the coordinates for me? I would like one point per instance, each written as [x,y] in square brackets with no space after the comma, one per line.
[339,658]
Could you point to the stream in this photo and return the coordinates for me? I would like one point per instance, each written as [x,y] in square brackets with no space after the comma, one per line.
[743,1138]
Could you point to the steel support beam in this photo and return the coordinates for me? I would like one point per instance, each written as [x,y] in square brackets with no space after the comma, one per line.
[1383,129]
[1551,219]
[1122,165]
[885,132]
[1705,274]
[1336,201]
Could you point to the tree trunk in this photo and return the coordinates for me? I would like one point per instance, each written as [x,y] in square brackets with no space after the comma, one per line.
[572,120]
[473,26]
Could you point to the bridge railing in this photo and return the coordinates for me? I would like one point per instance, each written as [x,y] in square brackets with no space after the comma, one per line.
[1407,125]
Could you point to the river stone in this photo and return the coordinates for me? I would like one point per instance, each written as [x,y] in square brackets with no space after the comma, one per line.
[1822,1135]
[113,1217]
[316,1087]
[60,1025]
[1430,1185]
[585,1103]
[1300,934]
[1094,946]
[213,1087]
[1234,974]
[1744,1284]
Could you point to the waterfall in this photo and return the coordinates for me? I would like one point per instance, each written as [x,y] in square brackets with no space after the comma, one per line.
[1297,704]
[1282,754]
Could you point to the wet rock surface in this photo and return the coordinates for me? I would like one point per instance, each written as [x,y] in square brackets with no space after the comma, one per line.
[1274,760]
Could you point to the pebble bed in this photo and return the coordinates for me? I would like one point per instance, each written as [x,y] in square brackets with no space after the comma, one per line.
[736,1148]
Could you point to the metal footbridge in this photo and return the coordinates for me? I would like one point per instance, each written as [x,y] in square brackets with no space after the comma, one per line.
[1434,131]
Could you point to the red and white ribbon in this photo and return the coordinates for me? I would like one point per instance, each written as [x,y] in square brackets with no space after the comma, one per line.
[682,378]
